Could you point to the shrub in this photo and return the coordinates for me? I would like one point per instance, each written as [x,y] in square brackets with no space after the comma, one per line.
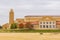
[29,25]
[21,25]
[13,26]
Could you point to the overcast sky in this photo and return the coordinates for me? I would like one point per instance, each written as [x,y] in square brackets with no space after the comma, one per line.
[28,7]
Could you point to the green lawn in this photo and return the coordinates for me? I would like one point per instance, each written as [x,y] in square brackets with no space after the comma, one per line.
[27,30]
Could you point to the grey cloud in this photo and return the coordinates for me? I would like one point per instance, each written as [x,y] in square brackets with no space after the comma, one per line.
[28,7]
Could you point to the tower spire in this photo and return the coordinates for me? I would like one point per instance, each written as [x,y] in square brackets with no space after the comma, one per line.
[11,16]
[11,10]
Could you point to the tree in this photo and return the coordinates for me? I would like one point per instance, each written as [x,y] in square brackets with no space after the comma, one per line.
[13,26]
[29,25]
[21,25]
[0,27]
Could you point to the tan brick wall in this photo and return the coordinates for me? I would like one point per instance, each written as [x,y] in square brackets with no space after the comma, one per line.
[43,18]
[11,17]
[36,27]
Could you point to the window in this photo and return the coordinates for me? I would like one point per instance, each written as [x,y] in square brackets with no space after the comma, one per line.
[50,26]
[46,26]
[50,22]
[40,22]
[53,26]
[40,26]
[43,26]
[43,22]
[46,22]
[53,22]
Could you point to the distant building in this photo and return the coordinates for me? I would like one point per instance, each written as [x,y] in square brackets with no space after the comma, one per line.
[44,22]
[11,17]
[38,22]
[5,26]
[11,20]
[19,20]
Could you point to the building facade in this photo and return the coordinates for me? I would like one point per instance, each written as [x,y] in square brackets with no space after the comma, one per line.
[38,22]
[5,26]
[44,22]
[11,20]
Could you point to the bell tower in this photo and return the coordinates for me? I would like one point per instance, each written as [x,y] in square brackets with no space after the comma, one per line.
[11,17]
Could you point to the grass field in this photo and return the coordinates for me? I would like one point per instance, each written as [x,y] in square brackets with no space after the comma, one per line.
[25,34]
[29,31]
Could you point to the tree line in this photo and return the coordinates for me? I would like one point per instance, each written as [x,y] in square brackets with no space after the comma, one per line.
[28,25]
